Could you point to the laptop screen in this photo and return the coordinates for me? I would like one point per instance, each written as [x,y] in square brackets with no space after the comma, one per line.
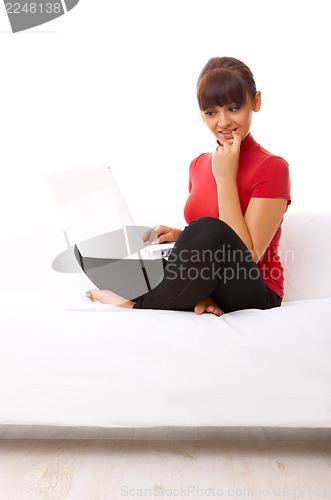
[93,208]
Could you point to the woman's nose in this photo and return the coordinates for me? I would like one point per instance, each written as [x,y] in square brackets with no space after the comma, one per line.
[224,121]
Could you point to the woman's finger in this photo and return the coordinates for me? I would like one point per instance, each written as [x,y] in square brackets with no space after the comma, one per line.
[158,234]
[162,229]
[147,235]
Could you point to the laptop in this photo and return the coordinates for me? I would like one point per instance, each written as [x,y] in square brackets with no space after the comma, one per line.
[98,218]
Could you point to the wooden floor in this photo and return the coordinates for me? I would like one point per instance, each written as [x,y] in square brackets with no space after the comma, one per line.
[164,463]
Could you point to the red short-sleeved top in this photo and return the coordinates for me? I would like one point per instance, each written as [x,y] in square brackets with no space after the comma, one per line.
[261,174]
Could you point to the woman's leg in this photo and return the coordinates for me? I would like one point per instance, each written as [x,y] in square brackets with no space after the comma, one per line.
[209,259]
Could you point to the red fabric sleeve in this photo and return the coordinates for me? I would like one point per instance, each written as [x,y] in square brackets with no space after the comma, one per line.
[272,179]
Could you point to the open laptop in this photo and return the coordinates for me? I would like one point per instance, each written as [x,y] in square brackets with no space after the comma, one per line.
[98,217]
[110,249]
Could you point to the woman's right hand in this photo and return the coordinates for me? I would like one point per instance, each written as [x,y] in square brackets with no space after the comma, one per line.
[162,234]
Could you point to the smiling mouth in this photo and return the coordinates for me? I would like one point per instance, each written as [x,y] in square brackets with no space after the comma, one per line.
[227,132]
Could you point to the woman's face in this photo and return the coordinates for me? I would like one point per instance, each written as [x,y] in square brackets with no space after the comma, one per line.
[227,118]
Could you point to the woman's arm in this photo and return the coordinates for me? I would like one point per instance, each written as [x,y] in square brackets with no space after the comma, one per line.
[262,217]
[229,208]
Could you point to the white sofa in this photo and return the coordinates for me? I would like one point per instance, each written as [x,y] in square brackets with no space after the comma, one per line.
[65,361]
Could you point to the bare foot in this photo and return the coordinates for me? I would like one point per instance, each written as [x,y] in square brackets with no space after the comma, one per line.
[108,297]
[208,305]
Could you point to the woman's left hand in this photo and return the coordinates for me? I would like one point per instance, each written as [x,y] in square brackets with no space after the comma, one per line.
[225,160]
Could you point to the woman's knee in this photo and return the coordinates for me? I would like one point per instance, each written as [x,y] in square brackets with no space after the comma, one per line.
[202,222]
[209,228]
[215,235]
[204,233]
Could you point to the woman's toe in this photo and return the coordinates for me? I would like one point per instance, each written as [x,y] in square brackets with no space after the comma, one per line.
[92,295]
[215,310]
[199,309]
[208,306]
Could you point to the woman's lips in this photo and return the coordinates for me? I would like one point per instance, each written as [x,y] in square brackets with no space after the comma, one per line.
[228,133]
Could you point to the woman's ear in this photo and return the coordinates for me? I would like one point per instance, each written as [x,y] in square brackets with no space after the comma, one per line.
[203,116]
[257,101]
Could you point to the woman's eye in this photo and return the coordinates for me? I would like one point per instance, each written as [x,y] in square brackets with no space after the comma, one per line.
[232,109]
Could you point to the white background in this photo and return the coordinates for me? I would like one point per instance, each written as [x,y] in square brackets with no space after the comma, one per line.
[116,81]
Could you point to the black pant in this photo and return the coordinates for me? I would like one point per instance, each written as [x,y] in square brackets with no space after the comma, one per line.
[209,259]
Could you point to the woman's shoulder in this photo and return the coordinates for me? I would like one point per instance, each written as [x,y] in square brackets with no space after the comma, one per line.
[202,158]
[271,168]
[268,158]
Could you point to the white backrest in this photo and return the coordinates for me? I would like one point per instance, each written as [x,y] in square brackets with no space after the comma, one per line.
[304,250]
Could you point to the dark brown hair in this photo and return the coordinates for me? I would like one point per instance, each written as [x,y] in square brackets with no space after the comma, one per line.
[223,81]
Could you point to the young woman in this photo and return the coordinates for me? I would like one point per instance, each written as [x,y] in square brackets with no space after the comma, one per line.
[226,259]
